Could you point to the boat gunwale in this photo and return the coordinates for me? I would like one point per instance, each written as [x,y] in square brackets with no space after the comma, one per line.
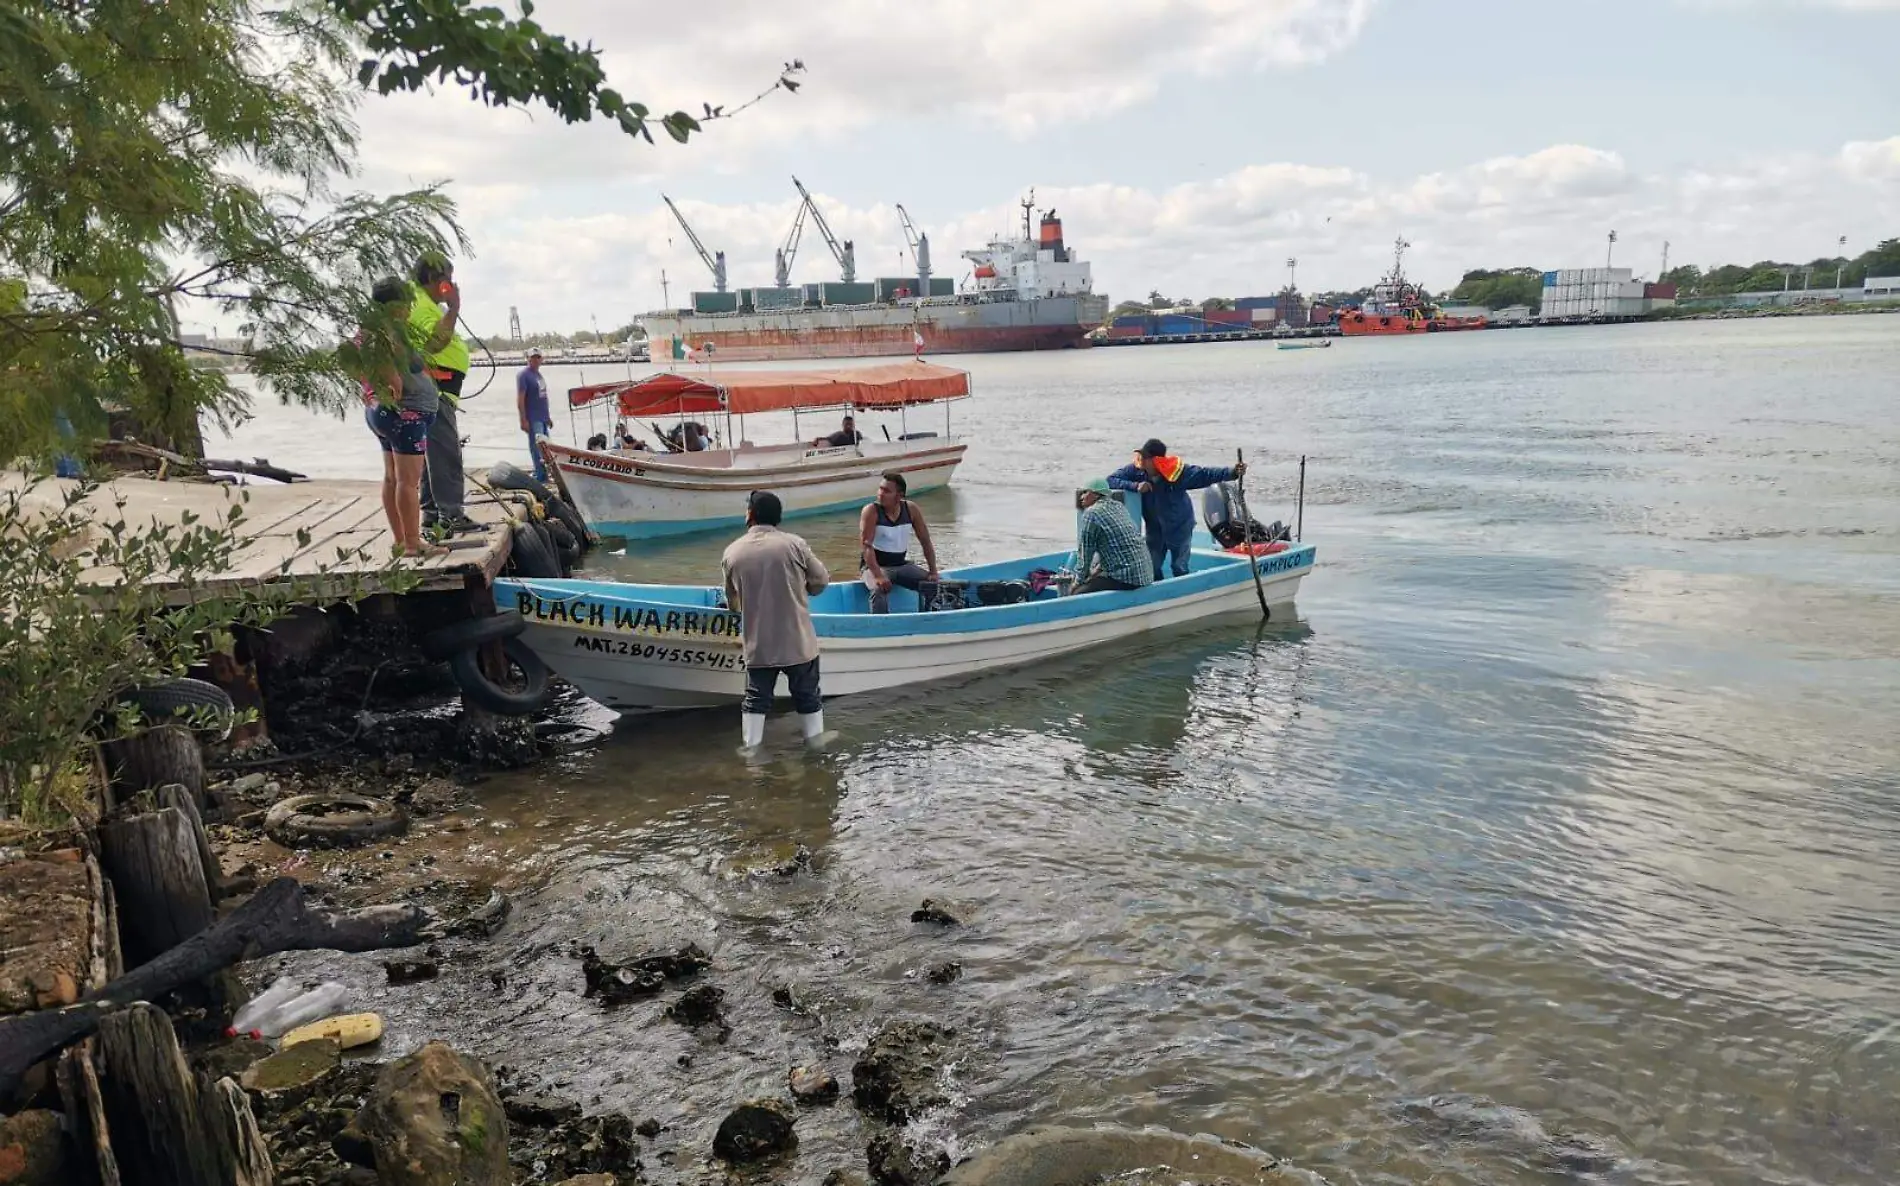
[742,476]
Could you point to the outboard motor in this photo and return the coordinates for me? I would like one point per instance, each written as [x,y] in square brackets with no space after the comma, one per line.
[1220,510]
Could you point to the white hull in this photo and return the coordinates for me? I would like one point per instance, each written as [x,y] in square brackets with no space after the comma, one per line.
[696,662]
[641,495]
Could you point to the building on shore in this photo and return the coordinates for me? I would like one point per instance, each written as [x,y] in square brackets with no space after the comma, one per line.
[1873,288]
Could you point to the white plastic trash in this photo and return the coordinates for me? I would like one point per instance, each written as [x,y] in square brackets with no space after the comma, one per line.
[260,1006]
[325,1000]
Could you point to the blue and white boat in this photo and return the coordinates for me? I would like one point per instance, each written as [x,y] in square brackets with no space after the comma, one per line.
[642,647]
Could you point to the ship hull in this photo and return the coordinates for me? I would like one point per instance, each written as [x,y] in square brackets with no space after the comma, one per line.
[1376,326]
[874,331]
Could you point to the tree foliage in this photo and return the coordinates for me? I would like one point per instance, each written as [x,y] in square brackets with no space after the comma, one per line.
[1501,289]
[1772,275]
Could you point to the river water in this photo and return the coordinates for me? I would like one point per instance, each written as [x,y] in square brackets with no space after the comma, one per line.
[1557,841]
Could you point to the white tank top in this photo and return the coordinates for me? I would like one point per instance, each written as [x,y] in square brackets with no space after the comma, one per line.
[891,540]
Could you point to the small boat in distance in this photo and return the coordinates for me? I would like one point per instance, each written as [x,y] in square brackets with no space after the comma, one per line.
[1319,345]
[638,493]
[644,647]
[1397,306]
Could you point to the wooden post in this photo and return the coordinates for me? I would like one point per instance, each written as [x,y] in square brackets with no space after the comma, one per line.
[84,1105]
[159,879]
[178,797]
[151,1102]
[144,761]
[234,1136]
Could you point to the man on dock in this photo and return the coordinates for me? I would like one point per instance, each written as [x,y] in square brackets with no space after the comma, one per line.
[1108,551]
[1166,510]
[770,577]
[432,330]
[531,400]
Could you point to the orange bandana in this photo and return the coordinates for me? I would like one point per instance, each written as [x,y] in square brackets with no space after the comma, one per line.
[1169,468]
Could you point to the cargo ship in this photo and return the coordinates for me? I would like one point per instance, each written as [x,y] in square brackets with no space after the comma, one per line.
[1397,306]
[1031,293]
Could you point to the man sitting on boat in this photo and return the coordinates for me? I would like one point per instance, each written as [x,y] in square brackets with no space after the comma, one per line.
[1108,551]
[1166,510]
[885,531]
[770,577]
[848,434]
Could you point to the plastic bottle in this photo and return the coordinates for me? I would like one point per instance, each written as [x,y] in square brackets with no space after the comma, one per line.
[350,1030]
[255,1009]
[325,1000]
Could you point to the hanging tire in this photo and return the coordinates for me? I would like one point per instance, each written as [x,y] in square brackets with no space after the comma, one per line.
[532,554]
[558,508]
[482,692]
[565,545]
[439,645]
[201,701]
[506,475]
[333,819]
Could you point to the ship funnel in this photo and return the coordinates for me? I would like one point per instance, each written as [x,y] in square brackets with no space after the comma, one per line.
[719,271]
[923,265]
[850,262]
[1051,239]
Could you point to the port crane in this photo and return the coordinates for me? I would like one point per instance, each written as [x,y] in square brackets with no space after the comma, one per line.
[845,254]
[715,260]
[919,245]
[782,264]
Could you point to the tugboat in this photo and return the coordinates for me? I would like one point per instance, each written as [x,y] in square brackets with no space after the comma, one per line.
[1399,307]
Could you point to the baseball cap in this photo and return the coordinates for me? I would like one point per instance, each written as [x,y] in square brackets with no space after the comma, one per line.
[1152,447]
[1097,486]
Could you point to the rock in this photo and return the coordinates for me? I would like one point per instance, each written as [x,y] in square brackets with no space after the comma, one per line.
[753,1131]
[249,783]
[292,1072]
[540,1111]
[410,971]
[844,1177]
[619,983]
[895,1161]
[590,1145]
[649,1128]
[945,973]
[933,911]
[698,1005]
[230,1058]
[899,1075]
[486,919]
[433,1120]
[592,1180]
[813,1085]
[34,1151]
[353,1147]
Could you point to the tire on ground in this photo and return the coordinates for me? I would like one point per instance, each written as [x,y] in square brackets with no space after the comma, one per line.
[482,692]
[333,819]
[201,700]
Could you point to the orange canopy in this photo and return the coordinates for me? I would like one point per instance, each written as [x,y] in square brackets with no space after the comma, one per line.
[891,385]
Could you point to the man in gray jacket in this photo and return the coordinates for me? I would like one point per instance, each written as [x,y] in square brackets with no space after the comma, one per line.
[770,574]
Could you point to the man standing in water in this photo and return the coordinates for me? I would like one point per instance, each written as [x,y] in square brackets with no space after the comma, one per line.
[770,576]
[1166,510]
[432,329]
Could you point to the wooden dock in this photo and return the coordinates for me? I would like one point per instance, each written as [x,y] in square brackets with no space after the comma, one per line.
[294,531]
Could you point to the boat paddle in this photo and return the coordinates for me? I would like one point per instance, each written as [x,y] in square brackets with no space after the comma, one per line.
[1253,558]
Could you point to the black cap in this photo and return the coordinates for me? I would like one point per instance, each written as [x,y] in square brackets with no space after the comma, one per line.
[1153,447]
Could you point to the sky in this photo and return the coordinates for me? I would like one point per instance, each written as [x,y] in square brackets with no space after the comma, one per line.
[1190,146]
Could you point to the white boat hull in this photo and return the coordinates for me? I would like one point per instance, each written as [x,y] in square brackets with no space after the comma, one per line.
[636,495]
[635,654]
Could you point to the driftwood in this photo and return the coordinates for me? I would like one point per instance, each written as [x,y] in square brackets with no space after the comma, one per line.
[234,1132]
[275,919]
[155,757]
[158,873]
[167,458]
[152,1103]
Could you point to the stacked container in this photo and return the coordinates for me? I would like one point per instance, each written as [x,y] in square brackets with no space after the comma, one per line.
[715,302]
[1590,293]
[840,293]
[777,298]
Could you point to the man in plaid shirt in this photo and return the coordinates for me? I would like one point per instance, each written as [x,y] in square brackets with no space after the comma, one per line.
[1109,553]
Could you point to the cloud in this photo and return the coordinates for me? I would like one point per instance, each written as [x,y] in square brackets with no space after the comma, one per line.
[1231,235]
[1020,70]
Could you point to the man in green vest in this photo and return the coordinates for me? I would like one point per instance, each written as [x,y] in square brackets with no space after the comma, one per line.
[432,329]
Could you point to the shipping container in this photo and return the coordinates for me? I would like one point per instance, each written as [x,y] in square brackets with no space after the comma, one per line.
[1256,302]
[715,302]
[1132,319]
[837,292]
[1662,291]
[1127,331]
[1230,316]
[943,286]
[893,288]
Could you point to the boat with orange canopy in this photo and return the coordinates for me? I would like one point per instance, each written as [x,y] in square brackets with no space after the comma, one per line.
[696,476]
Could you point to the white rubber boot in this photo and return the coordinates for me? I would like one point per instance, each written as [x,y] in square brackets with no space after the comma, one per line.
[751,732]
[813,723]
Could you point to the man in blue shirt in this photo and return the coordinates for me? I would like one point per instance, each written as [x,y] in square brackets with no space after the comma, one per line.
[531,400]
[1166,510]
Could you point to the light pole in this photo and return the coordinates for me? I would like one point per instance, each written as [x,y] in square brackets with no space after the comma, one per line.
[1610,251]
[1842,266]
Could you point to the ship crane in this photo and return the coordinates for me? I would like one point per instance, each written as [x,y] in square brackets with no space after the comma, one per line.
[845,253]
[715,260]
[782,265]
[919,251]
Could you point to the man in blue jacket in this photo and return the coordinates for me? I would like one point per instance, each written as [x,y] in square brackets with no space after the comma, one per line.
[1166,510]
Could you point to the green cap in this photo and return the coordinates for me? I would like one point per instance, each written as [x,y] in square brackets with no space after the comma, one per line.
[1098,485]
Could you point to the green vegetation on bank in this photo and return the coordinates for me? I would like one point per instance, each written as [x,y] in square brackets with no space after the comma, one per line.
[1772,275]
[1501,289]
